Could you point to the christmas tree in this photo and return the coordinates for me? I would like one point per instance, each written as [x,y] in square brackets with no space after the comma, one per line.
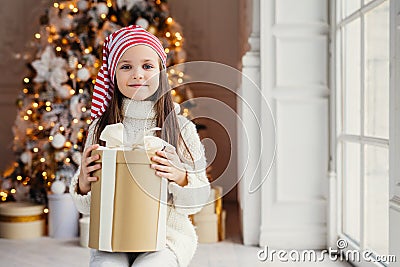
[54,106]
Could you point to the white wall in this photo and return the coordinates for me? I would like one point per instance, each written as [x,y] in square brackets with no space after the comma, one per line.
[294,60]
[294,77]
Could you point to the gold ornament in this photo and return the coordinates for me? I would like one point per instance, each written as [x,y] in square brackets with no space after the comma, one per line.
[177,98]
[152,29]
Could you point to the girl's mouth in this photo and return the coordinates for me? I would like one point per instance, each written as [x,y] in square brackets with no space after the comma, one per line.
[136,85]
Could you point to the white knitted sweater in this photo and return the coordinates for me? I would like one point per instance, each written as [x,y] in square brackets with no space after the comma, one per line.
[181,236]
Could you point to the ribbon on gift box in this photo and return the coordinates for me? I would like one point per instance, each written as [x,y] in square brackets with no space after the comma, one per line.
[115,137]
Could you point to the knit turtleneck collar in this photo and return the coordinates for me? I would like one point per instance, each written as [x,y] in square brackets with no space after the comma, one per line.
[138,109]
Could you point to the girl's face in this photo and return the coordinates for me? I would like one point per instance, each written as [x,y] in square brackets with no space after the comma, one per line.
[138,72]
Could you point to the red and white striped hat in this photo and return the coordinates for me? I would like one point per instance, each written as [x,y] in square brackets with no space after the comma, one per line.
[113,48]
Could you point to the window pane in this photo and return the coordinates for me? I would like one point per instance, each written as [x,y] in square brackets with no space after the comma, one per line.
[376,199]
[351,67]
[351,190]
[377,72]
[349,6]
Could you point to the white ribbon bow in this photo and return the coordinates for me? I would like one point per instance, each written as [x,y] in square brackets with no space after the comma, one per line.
[115,137]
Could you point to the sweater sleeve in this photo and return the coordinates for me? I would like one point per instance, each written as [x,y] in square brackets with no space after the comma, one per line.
[189,199]
[82,202]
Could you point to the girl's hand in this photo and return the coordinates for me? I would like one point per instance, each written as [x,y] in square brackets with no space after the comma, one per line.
[169,166]
[85,178]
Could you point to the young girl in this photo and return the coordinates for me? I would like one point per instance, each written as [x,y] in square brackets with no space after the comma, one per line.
[132,88]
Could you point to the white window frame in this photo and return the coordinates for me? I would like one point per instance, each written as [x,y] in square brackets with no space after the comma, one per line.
[337,137]
[394,134]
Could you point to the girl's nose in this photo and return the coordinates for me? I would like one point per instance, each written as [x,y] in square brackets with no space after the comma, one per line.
[137,74]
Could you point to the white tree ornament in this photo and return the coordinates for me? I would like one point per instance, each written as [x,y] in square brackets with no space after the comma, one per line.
[50,68]
[58,187]
[58,141]
[127,3]
[83,74]
[142,23]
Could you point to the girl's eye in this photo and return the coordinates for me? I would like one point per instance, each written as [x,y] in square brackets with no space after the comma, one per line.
[125,67]
[147,66]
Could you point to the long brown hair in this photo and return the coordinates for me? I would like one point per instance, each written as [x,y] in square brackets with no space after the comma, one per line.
[165,117]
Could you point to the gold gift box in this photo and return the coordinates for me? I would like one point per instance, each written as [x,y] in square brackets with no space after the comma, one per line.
[210,221]
[21,220]
[128,203]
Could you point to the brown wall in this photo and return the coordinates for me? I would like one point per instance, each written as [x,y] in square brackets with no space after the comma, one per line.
[216,31]
[19,20]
